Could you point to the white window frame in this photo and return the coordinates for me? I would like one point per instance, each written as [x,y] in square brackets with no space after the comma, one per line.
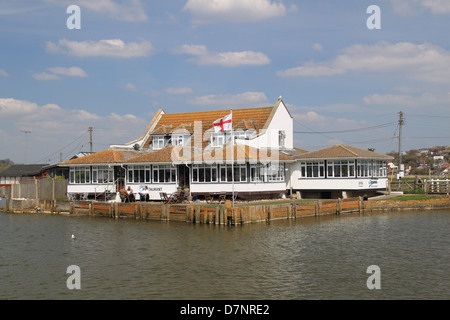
[158,142]
[341,169]
[139,174]
[102,174]
[239,170]
[218,139]
[202,173]
[80,175]
[178,139]
[167,171]
[312,169]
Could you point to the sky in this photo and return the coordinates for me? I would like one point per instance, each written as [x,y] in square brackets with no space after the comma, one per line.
[344,72]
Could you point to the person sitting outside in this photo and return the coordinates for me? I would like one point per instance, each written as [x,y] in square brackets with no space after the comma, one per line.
[131,197]
[123,195]
[144,194]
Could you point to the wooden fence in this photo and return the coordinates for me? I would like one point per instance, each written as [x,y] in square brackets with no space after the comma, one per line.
[37,189]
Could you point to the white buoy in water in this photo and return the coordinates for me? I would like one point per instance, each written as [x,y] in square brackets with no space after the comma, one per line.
[73,237]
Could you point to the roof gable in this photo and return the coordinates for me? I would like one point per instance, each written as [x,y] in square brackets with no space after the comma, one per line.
[342,151]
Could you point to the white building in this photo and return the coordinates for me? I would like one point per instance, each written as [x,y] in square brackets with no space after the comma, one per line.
[254,159]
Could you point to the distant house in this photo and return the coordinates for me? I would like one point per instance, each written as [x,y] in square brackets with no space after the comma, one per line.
[16,173]
[248,152]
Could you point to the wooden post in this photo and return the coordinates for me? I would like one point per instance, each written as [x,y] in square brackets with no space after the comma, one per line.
[222,214]
[197,214]
[116,210]
[216,216]
[338,206]
[360,204]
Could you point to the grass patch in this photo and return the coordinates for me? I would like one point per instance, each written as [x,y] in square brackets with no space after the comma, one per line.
[413,197]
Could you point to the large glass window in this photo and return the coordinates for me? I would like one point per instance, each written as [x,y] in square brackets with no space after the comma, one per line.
[139,174]
[257,172]
[164,174]
[364,168]
[204,173]
[275,172]
[79,175]
[313,169]
[340,169]
[240,173]
[102,174]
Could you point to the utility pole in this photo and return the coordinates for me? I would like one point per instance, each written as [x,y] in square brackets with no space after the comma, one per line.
[90,138]
[400,124]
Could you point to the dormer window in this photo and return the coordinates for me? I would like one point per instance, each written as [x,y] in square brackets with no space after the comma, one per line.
[179,139]
[217,139]
[158,142]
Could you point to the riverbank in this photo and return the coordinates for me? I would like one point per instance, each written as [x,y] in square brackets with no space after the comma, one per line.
[225,214]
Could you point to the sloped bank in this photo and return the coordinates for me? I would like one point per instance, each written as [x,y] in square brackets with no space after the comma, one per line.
[222,214]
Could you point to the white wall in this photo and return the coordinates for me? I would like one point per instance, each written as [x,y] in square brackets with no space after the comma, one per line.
[154,189]
[269,138]
[238,187]
[339,184]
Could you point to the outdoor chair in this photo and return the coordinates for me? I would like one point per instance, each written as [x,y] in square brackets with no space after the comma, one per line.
[209,198]
[222,197]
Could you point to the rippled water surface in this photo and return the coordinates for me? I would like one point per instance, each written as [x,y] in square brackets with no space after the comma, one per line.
[309,258]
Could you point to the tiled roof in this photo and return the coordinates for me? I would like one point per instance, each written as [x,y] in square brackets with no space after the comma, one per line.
[105,156]
[173,154]
[342,151]
[23,170]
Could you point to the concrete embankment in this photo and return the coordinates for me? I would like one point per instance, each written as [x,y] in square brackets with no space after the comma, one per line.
[222,214]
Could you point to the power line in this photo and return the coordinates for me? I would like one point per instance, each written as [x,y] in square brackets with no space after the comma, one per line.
[52,154]
[349,130]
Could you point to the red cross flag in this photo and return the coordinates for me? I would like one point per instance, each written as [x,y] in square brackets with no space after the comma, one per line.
[224,123]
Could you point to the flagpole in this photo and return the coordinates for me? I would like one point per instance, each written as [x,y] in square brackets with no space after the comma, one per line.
[232,158]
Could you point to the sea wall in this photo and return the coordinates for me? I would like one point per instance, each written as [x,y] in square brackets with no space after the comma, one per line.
[222,214]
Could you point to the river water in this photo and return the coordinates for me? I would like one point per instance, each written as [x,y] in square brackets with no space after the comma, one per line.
[307,258]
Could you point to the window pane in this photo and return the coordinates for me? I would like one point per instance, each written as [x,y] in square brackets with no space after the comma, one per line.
[214,174]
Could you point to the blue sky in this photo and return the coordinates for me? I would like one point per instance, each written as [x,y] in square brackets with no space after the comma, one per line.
[342,82]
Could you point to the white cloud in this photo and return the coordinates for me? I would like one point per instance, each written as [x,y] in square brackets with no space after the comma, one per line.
[108,48]
[235,11]
[131,87]
[202,56]
[317,46]
[70,72]
[3,73]
[45,76]
[130,10]
[246,99]
[437,6]
[411,7]
[425,62]
[178,90]
[53,127]
[426,100]
[11,106]
[55,72]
